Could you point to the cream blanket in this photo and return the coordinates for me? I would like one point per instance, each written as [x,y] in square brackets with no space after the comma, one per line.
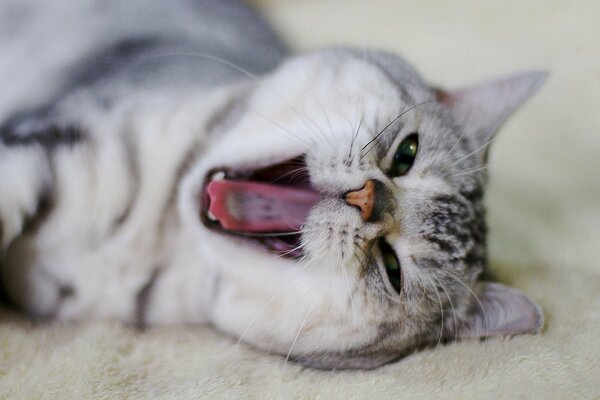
[544,212]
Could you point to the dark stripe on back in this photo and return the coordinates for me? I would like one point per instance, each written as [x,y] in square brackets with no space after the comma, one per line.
[22,130]
[111,59]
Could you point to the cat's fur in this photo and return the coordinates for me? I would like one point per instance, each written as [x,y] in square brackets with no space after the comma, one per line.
[110,128]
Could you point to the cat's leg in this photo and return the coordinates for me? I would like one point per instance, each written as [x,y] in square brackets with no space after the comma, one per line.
[25,184]
[27,142]
[29,146]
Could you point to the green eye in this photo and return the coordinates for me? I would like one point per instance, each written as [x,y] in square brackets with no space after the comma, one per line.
[405,155]
[391,265]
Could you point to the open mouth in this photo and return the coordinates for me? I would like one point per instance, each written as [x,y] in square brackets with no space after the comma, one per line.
[268,205]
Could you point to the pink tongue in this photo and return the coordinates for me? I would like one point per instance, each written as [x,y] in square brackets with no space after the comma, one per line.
[259,207]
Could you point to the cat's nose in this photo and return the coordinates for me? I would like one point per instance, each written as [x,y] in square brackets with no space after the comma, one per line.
[364,199]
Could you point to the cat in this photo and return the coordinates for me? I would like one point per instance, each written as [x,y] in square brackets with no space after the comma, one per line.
[177,164]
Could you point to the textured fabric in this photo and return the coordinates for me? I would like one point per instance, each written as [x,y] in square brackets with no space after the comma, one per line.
[544,213]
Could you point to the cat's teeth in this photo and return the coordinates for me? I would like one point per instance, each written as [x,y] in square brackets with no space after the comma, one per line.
[217,176]
[211,216]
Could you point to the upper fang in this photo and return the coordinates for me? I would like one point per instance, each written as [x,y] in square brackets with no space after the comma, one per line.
[217,176]
[211,216]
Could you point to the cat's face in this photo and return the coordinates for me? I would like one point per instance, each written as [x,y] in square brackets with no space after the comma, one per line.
[343,212]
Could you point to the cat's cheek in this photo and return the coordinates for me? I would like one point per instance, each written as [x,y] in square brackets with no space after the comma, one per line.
[270,313]
[259,308]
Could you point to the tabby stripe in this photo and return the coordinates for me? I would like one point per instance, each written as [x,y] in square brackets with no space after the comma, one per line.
[142,299]
[187,161]
[223,119]
[133,169]
[42,211]
[15,132]
[110,60]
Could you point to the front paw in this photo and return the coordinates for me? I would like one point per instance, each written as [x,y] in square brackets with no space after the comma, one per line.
[24,182]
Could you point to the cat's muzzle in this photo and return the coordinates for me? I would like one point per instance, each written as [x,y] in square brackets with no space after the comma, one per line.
[266,206]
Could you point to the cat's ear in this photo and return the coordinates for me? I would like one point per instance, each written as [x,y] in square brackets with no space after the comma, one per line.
[500,311]
[481,109]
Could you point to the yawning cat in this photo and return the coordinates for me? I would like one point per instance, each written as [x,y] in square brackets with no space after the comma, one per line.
[172,163]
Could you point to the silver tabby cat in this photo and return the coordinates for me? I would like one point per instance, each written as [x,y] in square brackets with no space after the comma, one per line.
[172,163]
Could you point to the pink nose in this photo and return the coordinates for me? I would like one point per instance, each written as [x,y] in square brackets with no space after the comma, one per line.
[363,199]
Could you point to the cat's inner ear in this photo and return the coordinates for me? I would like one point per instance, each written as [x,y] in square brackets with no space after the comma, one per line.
[499,311]
[481,109]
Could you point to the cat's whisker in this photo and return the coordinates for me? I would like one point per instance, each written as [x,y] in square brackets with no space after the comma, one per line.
[315,128]
[472,170]
[485,323]
[291,251]
[328,121]
[354,138]
[299,175]
[300,261]
[361,262]
[282,254]
[287,357]
[345,118]
[478,149]
[268,302]
[463,130]
[305,120]
[389,124]
[359,111]
[257,315]
[358,246]
[210,57]
[271,234]
[318,130]
[285,130]
[293,174]
[243,71]
[454,320]
[437,293]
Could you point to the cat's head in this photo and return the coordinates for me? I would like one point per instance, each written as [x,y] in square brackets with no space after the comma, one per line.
[342,210]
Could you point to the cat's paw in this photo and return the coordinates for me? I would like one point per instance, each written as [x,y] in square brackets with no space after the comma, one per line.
[25,177]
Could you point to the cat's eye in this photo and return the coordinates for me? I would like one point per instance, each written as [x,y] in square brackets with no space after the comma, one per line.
[405,155]
[391,265]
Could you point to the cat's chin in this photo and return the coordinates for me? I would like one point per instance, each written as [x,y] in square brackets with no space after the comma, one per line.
[264,206]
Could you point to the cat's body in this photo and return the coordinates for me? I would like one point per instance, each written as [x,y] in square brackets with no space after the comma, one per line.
[107,200]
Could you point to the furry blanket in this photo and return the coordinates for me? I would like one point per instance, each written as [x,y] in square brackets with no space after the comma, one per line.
[544,214]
